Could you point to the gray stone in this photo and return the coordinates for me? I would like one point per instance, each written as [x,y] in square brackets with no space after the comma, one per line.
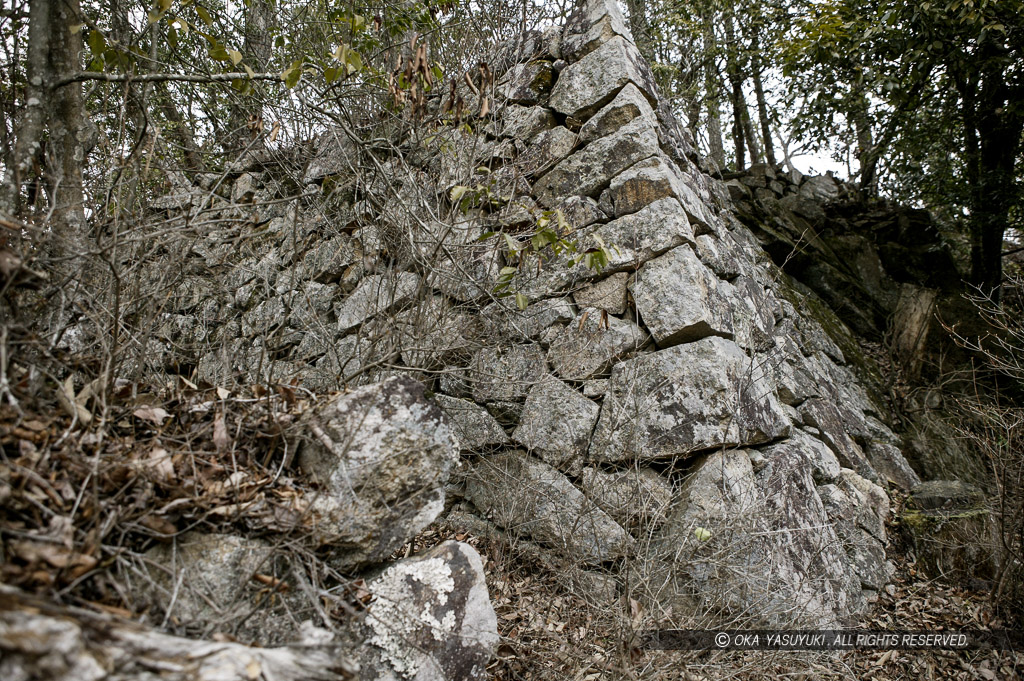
[556,423]
[383,453]
[590,26]
[521,122]
[581,211]
[531,498]
[634,239]
[546,149]
[458,263]
[824,415]
[591,343]
[629,104]
[430,334]
[657,177]
[679,301]
[634,498]
[509,322]
[588,84]
[473,426]
[430,618]
[374,295]
[721,254]
[753,321]
[589,170]
[327,260]
[891,465]
[824,464]
[820,189]
[938,494]
[608,294]
[684,399]
[730,527]
[527,83]
[506,374]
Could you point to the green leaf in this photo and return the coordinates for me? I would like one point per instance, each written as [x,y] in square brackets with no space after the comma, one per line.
[521,301]
[292,74]
[97,43]
[355,61]
[512,245]
[164,5]
[702,534]
[248,71]
[457,192]
[331,74]
[204,15]
[235,56]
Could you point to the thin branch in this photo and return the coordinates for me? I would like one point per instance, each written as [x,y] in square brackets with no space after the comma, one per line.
[83,76]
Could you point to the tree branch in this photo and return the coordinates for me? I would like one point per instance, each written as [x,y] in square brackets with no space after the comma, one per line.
[83,76]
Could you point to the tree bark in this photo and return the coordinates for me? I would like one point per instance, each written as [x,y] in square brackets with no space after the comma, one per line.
[762,104]
[640,26]
[736,81]
[716,148]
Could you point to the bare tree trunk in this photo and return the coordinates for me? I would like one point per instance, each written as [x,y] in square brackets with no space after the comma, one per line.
[28,143]
[748,131]
[762,105]
[246,108]
[736,80]
[641,28]
[716,147]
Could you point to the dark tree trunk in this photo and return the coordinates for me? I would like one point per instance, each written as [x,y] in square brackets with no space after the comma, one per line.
[736,81]
[762,105]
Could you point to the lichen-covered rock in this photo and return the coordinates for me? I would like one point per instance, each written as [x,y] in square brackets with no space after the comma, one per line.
[527,83]
[634,239]
[509,322]
[654,178]
[608,294]
[531,498]
[858,526]
[375,295]
[473,426]
[506,374]
[629,104]
[383,454]
[591,343]
[686,398]
[588,84]
[825,415]
[521,122]
[556,423]
[731,527]
[590,26]
[955,533]
[430,619]
[589,170]
[634,498]
[679,299]
[546,149]
[205,582]
[824,465]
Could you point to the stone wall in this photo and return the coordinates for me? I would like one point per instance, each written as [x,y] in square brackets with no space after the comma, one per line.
[688,413]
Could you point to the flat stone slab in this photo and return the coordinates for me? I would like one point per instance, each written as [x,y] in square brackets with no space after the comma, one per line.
[556,423]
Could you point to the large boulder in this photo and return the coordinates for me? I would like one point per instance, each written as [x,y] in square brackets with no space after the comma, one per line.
[383,454]
[591,343]
[686,398]
[556,423]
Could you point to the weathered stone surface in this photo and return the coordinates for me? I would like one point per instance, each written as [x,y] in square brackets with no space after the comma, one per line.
[608,294]
[556,423]
[820,189]
[589,345]
[531,498]
[506,374]
[546,149]
[684,399]
[638,237]
[205,581]
[731,526]
[826,417]
[721,254]
[890,464]
[521,122]
[431,618]
[654,178]
[508,321]
[337,154]
[589,170]
[634,498]
[824,464]
[581,211]
[383,453]
[753,322]
[587,85]
[629,104]
[472,425]
[590,26]
[955,534]
[459,264]
[374,295]
[527,83]
[856,524]
[679,300]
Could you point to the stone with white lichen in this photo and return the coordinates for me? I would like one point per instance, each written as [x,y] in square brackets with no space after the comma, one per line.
[430,618]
